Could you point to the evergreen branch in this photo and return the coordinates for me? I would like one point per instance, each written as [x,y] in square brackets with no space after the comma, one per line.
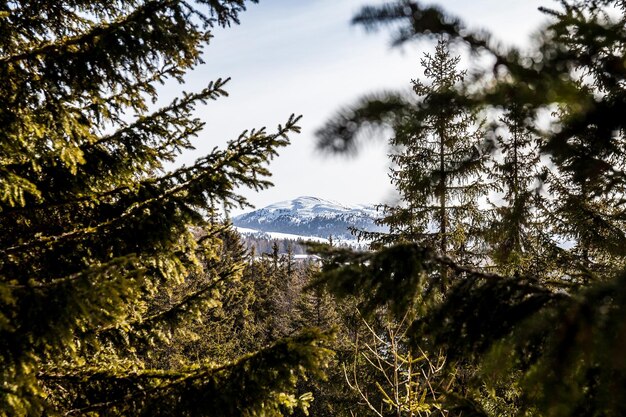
[375,111]
[66,45]
[217,162]
[175,309]
[302,352]
[213,91]
[418,21]
[92,271]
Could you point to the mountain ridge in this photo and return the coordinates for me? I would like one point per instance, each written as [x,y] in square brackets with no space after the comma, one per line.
[311,216]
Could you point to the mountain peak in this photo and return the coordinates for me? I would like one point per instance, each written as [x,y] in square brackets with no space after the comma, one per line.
[303,203]
[310,216]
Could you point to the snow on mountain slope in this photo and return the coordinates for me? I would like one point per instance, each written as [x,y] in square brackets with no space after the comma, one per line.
[278,235]
[311,216]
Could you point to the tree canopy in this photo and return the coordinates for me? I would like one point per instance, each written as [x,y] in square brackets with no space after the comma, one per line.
[95,235]
[542,340]
[123,293]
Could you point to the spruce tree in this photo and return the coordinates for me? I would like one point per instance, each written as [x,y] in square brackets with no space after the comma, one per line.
[555,341]
[95,234]
[439,171]
[586,208]
[439,163]
[518,238]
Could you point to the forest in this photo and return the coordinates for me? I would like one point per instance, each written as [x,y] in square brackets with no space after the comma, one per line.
[125,290]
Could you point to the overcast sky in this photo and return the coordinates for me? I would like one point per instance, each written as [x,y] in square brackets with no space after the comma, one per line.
[304,57]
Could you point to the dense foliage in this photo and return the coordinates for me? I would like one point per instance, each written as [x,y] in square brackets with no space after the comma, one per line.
[499,290]
[107,261]
[541,335]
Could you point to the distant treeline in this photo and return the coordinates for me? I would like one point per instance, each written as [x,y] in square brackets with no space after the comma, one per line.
[264,244]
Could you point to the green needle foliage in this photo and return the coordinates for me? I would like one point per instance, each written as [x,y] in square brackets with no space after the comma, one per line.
[538,341]
[439,173]
[95,235]
[438,159]
[518,237]
[440,163]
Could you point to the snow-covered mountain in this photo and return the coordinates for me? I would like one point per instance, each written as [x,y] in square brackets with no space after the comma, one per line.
[311,216]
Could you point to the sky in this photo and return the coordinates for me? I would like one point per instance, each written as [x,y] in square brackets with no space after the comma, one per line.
[304,57]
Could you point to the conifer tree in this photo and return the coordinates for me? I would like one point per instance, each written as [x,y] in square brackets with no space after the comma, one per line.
[586,214]
[318,308]
[517,236]
[226,328]
[439,173]
[95,234]
[440,169]
[555,342]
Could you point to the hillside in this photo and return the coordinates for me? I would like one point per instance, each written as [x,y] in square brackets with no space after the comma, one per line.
[311,217]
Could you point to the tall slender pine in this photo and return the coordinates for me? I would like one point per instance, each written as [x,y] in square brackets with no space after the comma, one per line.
[439,169]
[517,237]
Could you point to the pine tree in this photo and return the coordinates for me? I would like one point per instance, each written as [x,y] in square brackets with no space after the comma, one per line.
[440,168]
[518,237]
[554,341]
[585,215]
[95,235]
